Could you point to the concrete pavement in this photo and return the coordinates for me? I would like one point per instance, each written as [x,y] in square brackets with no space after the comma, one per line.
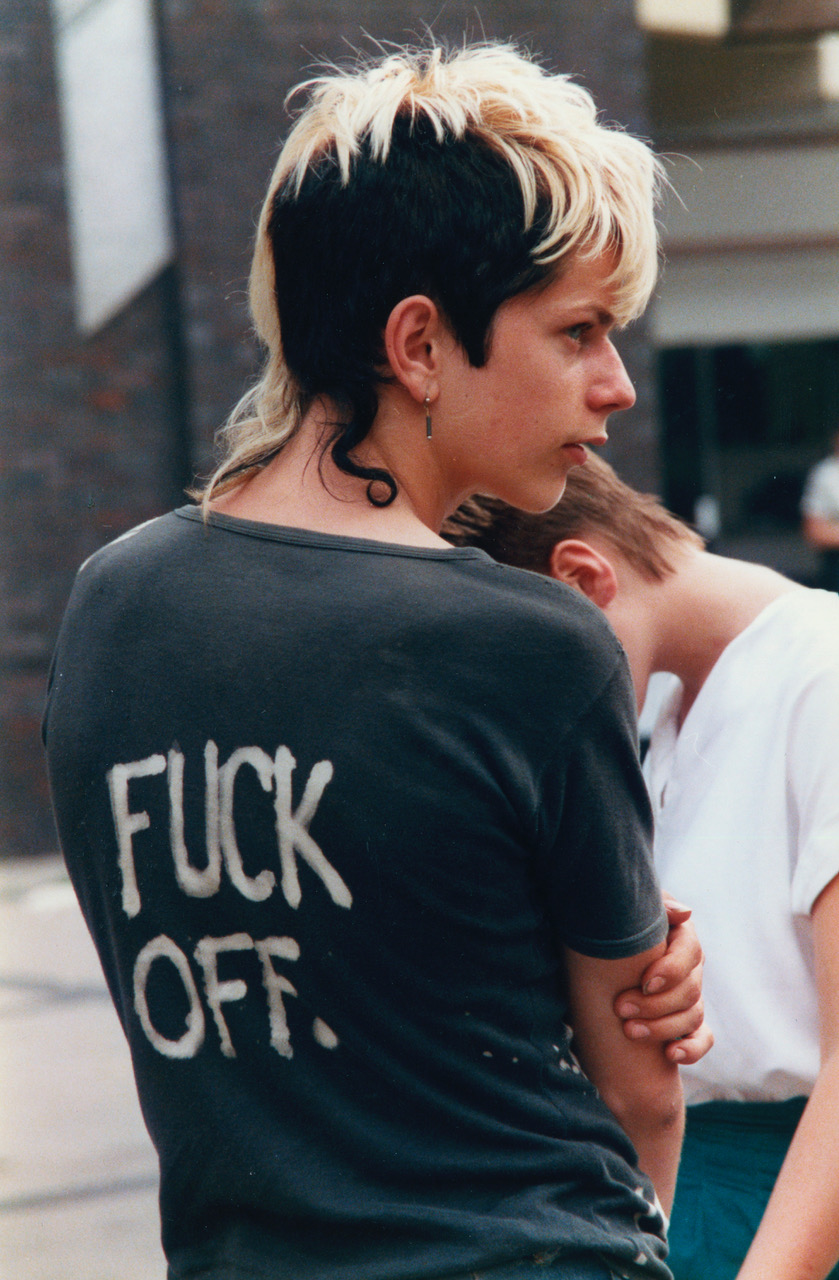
[78,1175]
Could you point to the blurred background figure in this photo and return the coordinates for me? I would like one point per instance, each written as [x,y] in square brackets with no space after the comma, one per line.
[820,515]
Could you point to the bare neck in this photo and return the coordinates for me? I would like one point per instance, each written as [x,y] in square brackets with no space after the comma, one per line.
[303,488]
[697,611]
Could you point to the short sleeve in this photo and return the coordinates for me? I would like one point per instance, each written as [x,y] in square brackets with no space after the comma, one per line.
[601,886]
[813,780]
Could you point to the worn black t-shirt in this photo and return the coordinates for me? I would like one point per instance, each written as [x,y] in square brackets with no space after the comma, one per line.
[331,808]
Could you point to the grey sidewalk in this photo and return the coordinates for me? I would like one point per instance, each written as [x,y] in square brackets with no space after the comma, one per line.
[78,1182]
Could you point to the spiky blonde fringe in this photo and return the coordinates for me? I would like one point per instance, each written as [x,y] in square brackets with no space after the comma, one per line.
[601,185]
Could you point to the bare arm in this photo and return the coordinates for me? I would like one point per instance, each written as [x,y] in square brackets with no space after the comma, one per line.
[798,1238]
[821,532]
[667,1004]
[634,1078]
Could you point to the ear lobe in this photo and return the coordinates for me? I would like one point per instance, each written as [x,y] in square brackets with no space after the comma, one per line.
[412,337]
[577,563]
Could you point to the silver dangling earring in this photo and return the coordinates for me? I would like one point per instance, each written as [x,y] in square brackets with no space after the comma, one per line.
[427,403]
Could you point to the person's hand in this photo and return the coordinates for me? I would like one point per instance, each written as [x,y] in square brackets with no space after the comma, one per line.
[668,1004]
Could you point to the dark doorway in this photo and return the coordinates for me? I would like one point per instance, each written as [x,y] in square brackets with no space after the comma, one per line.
[741,427]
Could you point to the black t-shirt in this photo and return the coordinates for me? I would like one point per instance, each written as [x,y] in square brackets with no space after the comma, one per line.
[331,808]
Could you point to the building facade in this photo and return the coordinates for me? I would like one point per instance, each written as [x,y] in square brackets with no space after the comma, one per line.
[744,103]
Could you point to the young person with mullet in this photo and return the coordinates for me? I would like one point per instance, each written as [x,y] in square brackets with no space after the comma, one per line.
[743,771]
[355,856]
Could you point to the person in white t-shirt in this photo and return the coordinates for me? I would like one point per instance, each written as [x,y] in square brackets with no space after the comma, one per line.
[743,769]
[820,515]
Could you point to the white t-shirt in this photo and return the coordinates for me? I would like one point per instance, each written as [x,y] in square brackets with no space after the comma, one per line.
[746,802]
[821,492]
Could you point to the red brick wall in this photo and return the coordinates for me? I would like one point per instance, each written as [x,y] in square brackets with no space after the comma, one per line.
[85,448]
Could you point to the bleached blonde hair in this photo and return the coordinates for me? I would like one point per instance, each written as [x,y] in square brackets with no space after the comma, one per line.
[585,189]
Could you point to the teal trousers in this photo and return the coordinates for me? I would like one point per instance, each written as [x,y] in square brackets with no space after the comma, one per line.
[731,1157]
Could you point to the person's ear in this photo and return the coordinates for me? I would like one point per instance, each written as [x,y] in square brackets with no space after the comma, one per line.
[577,563]
[414,337]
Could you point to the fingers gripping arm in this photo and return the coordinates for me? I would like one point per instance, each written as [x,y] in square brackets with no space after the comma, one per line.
[635,1079]
[666,1006]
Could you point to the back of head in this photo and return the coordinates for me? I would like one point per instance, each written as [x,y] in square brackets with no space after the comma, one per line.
[595,502]
[468,176]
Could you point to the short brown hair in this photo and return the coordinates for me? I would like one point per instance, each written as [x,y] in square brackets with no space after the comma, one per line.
[596,500]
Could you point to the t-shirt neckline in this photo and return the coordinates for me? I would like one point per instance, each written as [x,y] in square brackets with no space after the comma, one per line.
[327,541]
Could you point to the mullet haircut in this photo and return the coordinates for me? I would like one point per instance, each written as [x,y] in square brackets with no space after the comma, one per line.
[595,501]
[468,176]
